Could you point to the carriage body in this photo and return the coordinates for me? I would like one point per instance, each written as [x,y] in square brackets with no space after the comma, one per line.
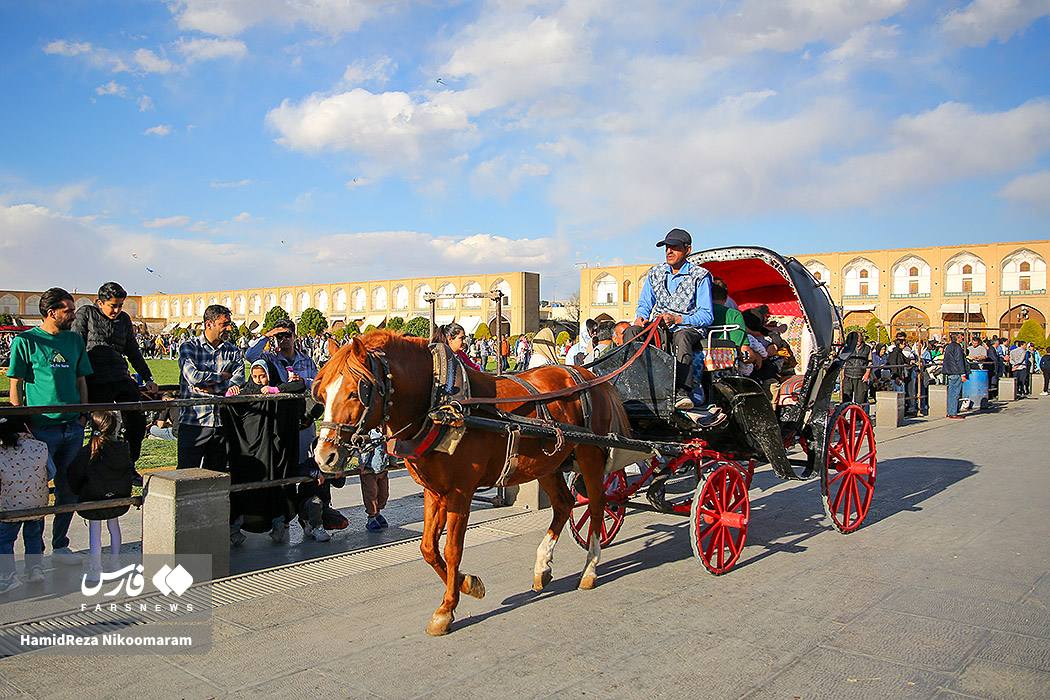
[837,441]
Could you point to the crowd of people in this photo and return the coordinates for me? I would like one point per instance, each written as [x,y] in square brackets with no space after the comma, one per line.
[911,366]
[83,356]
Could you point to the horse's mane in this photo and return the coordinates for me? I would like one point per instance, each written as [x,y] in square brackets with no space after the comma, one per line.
[350,359]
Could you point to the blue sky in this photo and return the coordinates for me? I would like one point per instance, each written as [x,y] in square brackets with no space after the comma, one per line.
[201,144]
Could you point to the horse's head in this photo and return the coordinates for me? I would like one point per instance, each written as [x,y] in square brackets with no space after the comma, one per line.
[355,388]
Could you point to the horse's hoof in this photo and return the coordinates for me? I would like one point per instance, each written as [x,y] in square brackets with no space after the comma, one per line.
[540,581]
[473,586]
[440,625]
[588,582]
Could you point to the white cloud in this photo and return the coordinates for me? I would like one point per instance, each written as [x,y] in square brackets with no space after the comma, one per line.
[167,222]
[829,156]
[112,88]
[61,47]
[158,130]
[61,198]
[145,103]
[229,184]
[379,71]
[31,231]
[210,49]
[759,25]
[1032,189]
[388,127]
[497,177]
[231,17]
[984,20]
[151,62]
[864,46]
[243,217]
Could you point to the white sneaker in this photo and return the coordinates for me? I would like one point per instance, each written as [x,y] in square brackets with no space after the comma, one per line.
[320,534]
[67,557]
[279,534]
[237,538]
[35,575]
[1044,393]
[683,403]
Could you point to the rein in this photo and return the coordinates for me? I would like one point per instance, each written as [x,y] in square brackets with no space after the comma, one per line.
[650,334]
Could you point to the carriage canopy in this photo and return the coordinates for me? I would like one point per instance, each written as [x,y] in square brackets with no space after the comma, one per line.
[758,276]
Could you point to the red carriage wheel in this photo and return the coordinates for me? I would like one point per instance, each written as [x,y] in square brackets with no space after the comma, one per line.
[719,517]
[615,509]
[847,481]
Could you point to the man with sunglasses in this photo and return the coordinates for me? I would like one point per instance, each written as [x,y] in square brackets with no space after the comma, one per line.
[277,346]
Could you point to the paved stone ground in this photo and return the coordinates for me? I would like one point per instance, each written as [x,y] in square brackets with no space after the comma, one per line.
[944,592]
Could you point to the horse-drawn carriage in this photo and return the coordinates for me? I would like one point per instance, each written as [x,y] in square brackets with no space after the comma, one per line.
[762,426]
[465,430]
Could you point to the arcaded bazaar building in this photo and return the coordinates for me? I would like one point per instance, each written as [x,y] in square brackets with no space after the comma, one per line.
[25,305]
[990,288]
[368,303]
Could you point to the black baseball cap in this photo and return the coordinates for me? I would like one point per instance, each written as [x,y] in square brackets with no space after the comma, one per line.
[676,236]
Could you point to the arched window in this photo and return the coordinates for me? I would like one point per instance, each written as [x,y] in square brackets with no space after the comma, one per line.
[227,302]
[626,291]
[256,304]
[200,306]
[164,308]
[153,309]
[421,295]
[911,276]
[358,299]
[964,274]
[304,301]
[287,303]
[271,301]
[176,308]
[472,288]
[187,307]
[819,270]
[604,290]
[864,274]
[860,278]
[400,297]
[321,300]
[379,298]
[1024,271]
[816,276]
[504,287]
[447,288]
[339,299]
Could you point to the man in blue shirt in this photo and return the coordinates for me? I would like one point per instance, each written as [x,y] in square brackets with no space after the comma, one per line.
[678,293]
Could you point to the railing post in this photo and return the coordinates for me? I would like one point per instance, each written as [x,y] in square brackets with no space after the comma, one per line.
[1007,389]
[889,409]
[187,511]
[938,400]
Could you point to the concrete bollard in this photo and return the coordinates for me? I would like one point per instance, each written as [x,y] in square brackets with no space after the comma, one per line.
[889,409]
[1007,389]
[528,495]
[938,400]
[187,511]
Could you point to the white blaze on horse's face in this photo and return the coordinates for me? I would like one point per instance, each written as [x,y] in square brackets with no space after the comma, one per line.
[331,392]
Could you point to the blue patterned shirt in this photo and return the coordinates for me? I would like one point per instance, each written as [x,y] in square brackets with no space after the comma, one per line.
[200,366]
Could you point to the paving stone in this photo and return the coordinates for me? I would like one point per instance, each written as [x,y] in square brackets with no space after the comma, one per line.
[983,612]
[988,679]
[939,645]
[1019,650]
[833,673]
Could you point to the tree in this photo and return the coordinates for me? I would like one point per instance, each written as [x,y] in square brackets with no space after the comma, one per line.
[272,317]
[339,334]
[369,328]
[876,331]
[418,327]
[245,331]
[572,309]
[482,332]
[395,323]
[312,323]
[850,329]
[562,338]
[7,319]
[1031,332]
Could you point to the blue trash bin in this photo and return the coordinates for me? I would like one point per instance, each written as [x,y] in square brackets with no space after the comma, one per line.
[976,387]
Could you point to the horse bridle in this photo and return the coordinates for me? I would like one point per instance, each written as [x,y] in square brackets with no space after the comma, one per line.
[366,393]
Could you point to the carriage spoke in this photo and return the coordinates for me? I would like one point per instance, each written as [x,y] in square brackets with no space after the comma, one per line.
[709,549]
[734,549]
[837,453]
[837,477]
[704,512]
[838,497]
[846,508]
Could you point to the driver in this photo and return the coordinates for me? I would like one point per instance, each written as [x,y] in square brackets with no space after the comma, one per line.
[678,293]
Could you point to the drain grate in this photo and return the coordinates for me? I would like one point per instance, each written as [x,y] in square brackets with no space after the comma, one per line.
[244,587]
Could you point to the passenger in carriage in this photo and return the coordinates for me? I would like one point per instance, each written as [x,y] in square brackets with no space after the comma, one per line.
[455,336]
[679,293]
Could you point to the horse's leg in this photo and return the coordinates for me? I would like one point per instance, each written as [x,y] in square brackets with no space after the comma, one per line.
[434,516]
[561,502]
[592,468]
[458,508]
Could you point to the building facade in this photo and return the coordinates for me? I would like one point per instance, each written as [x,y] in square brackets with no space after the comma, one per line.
[25,306]
[369,303]
[991,288]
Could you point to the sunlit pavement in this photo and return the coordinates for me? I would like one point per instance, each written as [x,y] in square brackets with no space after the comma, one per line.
[943,591]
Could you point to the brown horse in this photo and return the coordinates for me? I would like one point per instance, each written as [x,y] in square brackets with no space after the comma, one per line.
[354,400]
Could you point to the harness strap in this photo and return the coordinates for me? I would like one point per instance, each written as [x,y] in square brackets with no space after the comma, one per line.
[585,396]
[510,463]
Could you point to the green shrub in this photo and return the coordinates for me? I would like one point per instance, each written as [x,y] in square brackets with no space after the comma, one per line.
[272,317]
